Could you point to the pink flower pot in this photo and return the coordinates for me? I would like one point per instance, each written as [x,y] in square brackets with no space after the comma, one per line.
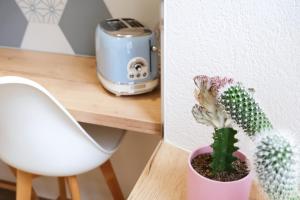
[202,188]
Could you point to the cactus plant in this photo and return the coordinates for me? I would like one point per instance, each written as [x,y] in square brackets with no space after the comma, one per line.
[209,112]
[274,154]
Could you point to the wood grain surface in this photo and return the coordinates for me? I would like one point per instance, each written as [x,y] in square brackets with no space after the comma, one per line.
[73,81]
[164,177]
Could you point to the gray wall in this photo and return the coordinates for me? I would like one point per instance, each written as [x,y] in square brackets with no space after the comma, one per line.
[65,26]
[75,19]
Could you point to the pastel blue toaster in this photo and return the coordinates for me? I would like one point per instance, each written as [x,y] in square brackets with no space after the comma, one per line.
[126,56]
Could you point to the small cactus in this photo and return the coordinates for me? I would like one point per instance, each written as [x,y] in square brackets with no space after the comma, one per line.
[243,109]
[276,166]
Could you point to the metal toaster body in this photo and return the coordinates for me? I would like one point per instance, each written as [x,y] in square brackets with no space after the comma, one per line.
[126,56]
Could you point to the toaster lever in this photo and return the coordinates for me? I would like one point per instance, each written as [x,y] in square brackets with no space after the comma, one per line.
[154,48]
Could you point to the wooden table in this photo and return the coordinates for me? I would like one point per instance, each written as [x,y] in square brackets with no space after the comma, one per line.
[164,177]
[72,80]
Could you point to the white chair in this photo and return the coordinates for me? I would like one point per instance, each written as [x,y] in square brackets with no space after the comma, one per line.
[38,136]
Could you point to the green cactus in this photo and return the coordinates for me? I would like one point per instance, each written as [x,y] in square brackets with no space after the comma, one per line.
[223,149]
[243,109]
[275,166]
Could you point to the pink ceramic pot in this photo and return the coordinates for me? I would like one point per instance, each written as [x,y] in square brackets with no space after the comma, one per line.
[202,188]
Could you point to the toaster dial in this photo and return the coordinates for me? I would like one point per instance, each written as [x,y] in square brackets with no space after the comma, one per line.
[137,68]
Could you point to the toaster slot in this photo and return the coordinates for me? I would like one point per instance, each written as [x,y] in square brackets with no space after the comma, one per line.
[113,25]
[132,22]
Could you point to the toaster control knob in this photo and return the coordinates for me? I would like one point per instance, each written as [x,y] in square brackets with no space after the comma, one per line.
[138,67]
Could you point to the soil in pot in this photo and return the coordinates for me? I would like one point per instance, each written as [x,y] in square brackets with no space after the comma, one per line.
[201,164]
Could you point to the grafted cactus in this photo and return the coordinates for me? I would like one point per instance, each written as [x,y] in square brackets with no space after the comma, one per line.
[222,101]
[276,166]
[243,109]
[209,112]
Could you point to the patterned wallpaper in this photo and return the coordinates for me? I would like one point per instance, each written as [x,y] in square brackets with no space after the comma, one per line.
[63,26]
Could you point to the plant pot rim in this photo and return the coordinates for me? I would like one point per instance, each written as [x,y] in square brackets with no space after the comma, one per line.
[192,155]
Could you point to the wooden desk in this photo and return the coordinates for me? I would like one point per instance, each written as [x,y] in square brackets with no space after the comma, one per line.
[164,177]
[72,80]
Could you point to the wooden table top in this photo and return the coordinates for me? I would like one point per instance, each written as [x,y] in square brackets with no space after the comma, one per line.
[73,81]
[164,177]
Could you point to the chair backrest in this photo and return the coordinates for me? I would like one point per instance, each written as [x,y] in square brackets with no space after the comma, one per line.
[38,135]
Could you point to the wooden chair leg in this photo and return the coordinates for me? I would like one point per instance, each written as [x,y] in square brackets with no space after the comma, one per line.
[74,187]
[24,185]
[34,196]
[111,180]
[62,188]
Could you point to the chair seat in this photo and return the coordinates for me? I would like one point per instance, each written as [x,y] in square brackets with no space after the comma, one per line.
[38,135]
[106,137]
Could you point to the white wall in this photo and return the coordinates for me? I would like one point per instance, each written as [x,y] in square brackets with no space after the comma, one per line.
[254,41]
[147,11]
